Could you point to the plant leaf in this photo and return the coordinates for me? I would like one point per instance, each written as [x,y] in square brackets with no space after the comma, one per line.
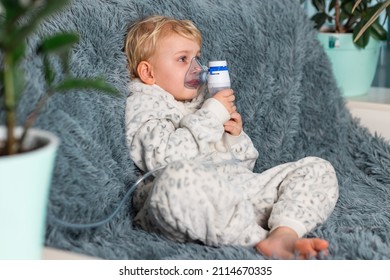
[58,43]
[347,7]
[49,75]
[18,52]
[356,5]
[362,41]
[49,8]
[8,22]
[380,8]
[319,19]
[388,13]
[331,5]
[13,10]
[378,31]
[76,84]
[319,5]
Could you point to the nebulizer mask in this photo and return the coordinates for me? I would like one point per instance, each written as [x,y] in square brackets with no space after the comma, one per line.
[216,75]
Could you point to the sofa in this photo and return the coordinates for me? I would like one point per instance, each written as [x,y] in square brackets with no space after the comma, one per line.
[287,96]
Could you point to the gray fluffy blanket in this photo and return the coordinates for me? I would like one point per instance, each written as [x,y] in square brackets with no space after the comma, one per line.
[287,96]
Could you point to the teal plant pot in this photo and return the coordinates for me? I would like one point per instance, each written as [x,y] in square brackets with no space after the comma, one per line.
[353,68]
[24,187]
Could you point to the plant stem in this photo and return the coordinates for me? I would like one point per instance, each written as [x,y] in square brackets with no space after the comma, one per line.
[34,115]
[339,27]
[9,89]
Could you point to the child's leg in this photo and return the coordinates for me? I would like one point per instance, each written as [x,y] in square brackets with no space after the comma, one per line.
[297,195]
[194,202]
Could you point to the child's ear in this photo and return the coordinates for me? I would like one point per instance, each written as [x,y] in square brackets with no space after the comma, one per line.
[145,72]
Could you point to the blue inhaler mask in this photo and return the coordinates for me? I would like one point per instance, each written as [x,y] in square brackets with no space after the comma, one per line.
[196,74]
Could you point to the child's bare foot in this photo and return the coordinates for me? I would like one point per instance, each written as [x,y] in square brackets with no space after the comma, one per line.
[284,243]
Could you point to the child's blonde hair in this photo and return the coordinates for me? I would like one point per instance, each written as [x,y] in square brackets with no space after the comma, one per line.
[142,37]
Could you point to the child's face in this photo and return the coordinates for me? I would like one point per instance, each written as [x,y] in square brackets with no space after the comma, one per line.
[170,64]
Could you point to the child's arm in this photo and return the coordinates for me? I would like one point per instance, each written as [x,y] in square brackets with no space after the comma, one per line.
[242,149]
[158,135]
[239,143]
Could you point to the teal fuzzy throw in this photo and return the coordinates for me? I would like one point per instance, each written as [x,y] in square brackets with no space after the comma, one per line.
[286,94]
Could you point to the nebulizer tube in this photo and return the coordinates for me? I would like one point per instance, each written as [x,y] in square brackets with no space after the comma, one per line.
[99,223]
[216,75]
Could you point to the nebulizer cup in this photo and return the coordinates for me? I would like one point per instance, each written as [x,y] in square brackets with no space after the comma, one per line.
[216,75]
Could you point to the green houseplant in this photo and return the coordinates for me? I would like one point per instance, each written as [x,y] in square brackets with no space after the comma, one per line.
[351,32]
[24,148]
[358,17]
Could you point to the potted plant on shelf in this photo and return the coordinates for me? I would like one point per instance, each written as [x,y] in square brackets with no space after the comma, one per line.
[350,32]
[27,154]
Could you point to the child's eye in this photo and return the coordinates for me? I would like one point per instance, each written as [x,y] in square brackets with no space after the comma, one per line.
[182,59]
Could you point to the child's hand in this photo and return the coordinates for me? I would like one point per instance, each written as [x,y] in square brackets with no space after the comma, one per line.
[234,125]
[226,97]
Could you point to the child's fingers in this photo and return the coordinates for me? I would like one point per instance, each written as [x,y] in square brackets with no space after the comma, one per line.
[224,93]
[227,92]
[232,127]
[229,128]
[230,123]
[236,116]
[226,97]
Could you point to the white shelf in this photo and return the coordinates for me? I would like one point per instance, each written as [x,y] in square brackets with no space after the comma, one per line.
[373,110]
[58,254]
[377,99]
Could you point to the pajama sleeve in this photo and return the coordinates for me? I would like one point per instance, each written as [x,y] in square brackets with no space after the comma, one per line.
[160,137]
[242,149]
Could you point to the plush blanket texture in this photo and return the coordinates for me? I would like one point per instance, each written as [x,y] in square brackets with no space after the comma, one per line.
[285,91]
